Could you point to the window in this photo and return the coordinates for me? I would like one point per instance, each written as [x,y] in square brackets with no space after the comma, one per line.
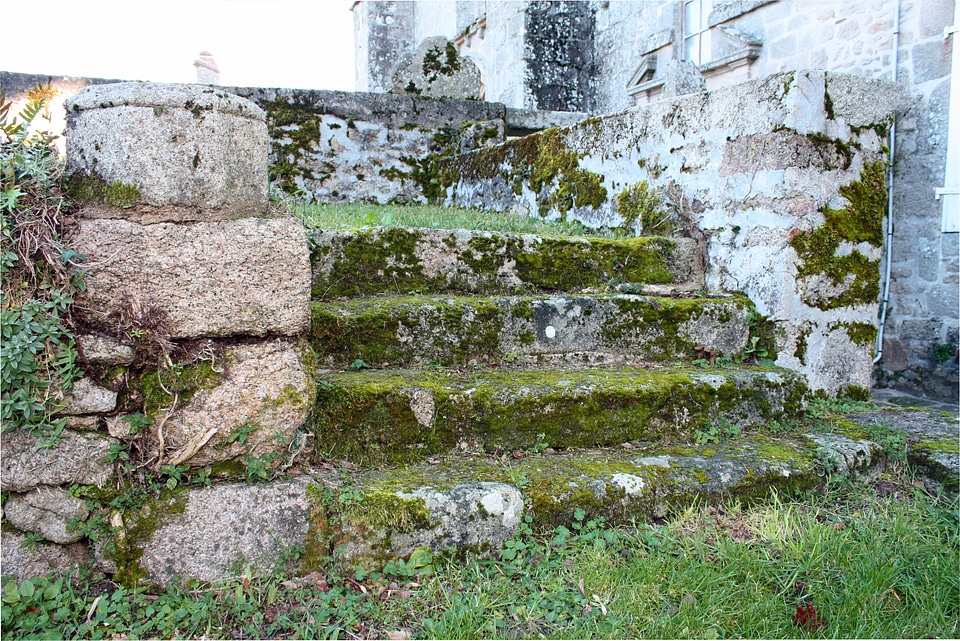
[696,32]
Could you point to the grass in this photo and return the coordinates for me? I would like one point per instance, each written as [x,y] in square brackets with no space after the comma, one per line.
[869,565]
[356,215]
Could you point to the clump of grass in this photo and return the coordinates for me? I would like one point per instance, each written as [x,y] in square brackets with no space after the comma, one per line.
[357,215]
[872,565]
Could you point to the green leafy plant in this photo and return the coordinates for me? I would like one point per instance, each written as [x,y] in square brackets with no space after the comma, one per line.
[174,474]
[716,431]
[37,355]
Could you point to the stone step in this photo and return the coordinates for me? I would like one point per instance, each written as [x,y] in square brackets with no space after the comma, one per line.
[366,517]
[399,260]
[417,330]
[480,501]
[379,417]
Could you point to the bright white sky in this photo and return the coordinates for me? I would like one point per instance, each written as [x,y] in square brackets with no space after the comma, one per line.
[306,44]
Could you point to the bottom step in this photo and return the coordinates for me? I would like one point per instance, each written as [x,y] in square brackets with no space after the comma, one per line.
[367,518]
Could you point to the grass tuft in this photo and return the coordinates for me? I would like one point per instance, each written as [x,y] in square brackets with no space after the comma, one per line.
[357,215]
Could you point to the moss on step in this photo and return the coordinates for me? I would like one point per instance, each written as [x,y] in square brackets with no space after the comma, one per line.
[388,417]
[412,330]
[614,484]
[392,260]
[126,546]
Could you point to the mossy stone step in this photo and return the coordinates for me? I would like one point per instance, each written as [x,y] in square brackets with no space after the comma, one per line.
[378,417]
[480,501]
[399,260]
[412,330]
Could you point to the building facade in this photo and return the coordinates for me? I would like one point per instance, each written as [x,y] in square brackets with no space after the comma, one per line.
[601,57]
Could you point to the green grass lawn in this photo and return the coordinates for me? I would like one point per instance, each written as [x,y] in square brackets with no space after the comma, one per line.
[860,562]
[355,215]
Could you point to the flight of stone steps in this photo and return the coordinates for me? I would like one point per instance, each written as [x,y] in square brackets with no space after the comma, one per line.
[471,379]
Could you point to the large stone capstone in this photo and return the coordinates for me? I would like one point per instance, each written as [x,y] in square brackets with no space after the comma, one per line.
[175,147]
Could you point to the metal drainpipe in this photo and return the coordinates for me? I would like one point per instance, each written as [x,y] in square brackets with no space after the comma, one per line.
[889,240]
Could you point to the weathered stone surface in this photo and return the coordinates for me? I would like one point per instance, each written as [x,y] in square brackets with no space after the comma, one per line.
[247,277]
[84,423]
[265,390]
[46,511]
[215,532]
[417,330]
[87,397]
[78,458]
[44,560]
[100,349]
[436,70]
[469,514]
[181,146]
[530,120]
[934,440]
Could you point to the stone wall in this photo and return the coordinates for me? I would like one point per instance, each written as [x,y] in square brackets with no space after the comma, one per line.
[787,199]
[335,146]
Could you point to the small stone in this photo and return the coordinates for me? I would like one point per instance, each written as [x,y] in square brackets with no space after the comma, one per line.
[627,446]
[83,423]
[97,349]
[118,428]
[87,397]
[47,512]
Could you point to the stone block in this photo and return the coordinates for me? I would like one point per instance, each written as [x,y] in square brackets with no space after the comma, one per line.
[99,349]
[19,560]
[931,60]
[213,533]
[47,511]
[247,277]
[87,397]
[78,458]
[436,70]
[265,389]
[178,147]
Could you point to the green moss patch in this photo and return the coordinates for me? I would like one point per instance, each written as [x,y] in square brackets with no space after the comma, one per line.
[542,161]
[91,190]
[159,386]
[861,221]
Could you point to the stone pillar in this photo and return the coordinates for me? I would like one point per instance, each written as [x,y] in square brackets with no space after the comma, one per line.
[188,268]
[190,325]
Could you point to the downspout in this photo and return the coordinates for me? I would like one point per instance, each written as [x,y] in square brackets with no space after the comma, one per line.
[889,239]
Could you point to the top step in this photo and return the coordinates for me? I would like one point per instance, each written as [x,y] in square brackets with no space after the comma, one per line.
[400,260]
